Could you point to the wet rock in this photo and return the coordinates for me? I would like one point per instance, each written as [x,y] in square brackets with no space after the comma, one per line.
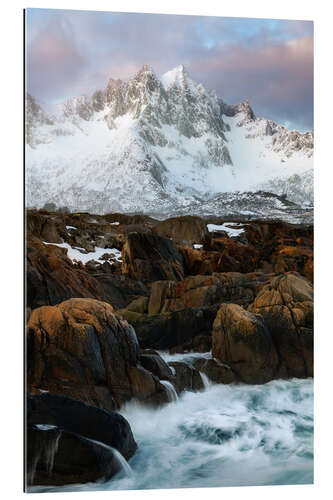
[199,343]
[77,417]
[241,340]
[156,365]
[216,371]
[57,457]
[186,378]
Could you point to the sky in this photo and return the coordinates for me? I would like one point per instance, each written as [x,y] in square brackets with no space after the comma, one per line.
[266,61]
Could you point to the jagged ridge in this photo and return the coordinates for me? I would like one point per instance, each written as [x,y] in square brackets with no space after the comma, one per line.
[154,142]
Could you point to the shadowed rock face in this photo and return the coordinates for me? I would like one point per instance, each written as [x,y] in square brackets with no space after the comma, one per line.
[80,349]
[53,278]
[286,305]
[57,457]
[80,418]
[188,228]
[171,329]
[148,257]
[241,339]
[71,442]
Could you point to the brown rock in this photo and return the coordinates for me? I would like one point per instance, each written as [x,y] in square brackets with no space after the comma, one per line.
[148,257]
[200,291]
[80,349]
[286,304]
[186,378]
[242,341]
[187,228]
[216,371]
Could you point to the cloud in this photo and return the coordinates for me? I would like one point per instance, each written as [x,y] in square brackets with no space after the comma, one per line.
[268,62]
[276,79]
[54,62]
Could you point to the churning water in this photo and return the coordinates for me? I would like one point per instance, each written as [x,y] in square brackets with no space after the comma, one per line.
[228,435]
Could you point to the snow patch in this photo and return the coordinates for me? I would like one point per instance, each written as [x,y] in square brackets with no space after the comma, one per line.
[230,228]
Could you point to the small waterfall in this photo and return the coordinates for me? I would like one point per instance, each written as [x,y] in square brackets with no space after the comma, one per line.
[171,391]
[124,466]
[47,448]
[205,380]
[50,452]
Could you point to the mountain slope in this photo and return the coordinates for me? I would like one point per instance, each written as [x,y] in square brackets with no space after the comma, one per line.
[152,142]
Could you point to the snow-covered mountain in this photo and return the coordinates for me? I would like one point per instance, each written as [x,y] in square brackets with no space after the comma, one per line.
[155,144]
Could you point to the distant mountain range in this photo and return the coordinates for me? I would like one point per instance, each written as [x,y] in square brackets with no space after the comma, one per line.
[159,144]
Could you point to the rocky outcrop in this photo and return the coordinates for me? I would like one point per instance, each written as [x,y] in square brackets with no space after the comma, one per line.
[216,371]
[77,417]
[186,378]
[199,291]
[188,229]
[71,442]
[170,329]
[148,257]
[242,341]
[286,305]
[81,349]
[53,278]
[56,457]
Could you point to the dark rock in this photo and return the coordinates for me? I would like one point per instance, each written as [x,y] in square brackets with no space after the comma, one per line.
[156,365]
[186,377]
[56,457]
[216,371]
[167,330]
[89,421]
[148,257]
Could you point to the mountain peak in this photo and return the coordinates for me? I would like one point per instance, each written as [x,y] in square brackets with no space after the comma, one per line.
[176,76]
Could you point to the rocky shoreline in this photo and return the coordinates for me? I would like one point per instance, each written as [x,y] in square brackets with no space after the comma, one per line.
[106,293]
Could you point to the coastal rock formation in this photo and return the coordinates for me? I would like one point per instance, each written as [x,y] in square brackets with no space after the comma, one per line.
[286,304]
[170,329]
[188,229]
[199,291]
[242,341]
[81,349]
[216,371]
[72,442]
[148,257]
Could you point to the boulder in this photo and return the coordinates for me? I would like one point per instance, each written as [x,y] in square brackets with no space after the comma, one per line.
[80,349]
[201,291]
[286,304]
[199,343]
[139,305]
[156,365]
[167,330]
[188,228]
[148,257]
[186,378]
[242,341]
[215,370]
[56,457]
[77,417]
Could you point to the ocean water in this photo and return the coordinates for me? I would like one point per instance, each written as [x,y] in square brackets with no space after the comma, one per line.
[226,435]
